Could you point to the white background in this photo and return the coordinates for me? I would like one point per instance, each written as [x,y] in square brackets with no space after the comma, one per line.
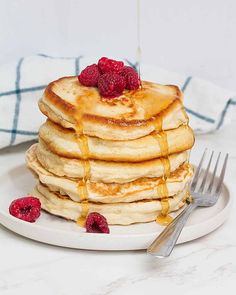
[187,36]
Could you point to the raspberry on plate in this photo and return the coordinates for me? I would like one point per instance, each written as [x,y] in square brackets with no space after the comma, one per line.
[89,76]
[131,77]
[107,65]
[96,223]
[111,85]
[26,208]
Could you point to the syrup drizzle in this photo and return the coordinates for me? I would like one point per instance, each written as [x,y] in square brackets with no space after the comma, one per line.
[82,187]
[139,52]
[84,212]
[163,218]
[162,140]
[158,124]
[166,166]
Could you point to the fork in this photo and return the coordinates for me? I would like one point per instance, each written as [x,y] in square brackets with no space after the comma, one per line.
[203,195]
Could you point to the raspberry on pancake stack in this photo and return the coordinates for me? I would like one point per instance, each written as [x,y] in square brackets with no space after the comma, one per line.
[112,145]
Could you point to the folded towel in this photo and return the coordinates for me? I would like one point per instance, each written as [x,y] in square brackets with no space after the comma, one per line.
[23,82]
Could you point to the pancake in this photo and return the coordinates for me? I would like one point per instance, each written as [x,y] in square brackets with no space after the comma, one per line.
[107,172]
[65,142]
[125,158]
[135,114]
[119,213]
[145,188]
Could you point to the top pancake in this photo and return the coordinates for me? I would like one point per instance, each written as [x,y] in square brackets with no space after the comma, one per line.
[133,115]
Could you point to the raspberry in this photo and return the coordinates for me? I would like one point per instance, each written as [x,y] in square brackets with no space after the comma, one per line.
[26,208]
[96,223]
[131,77]
[111,85]
[89,76]
[107,65]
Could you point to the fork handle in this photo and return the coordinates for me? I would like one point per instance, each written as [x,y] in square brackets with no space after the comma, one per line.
[163,245]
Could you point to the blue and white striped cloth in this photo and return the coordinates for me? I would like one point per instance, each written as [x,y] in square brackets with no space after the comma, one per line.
[22,83]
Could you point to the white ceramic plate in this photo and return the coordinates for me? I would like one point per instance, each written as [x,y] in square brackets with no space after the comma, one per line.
[17,181]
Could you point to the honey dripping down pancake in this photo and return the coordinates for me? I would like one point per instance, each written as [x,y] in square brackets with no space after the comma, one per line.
[83,145]
[163,218]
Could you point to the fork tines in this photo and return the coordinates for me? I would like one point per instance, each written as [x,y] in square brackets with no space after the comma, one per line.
[206,182]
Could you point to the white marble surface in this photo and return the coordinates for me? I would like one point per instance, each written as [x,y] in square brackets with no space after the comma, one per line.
[203,266]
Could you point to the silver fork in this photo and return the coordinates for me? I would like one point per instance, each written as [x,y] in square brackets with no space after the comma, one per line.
[202,195]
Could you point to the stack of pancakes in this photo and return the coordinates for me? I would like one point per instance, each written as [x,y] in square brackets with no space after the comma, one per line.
[125,158]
